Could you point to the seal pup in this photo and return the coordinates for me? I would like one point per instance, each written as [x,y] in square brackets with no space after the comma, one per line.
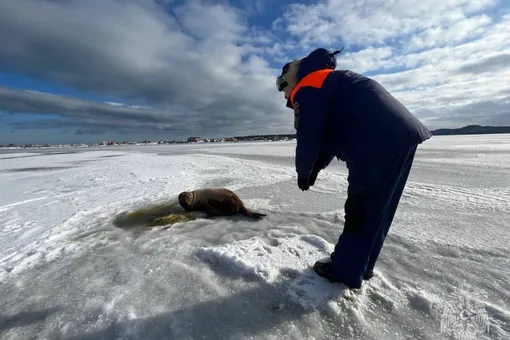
[215,202]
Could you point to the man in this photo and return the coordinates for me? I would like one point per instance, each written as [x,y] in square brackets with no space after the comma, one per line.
[342,114]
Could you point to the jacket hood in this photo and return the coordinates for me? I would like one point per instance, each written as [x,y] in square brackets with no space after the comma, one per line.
[318,59]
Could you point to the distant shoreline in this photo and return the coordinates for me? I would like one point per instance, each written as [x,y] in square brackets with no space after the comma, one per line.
[472,130]
[466,130]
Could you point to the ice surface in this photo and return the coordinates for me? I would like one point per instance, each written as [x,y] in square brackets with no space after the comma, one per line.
[254,256]
[67,271]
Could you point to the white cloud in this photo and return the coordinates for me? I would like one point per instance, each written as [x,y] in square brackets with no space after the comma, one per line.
[201,67]
[432,55]
[368,59]
[381,21]
[459,30]
[198,65]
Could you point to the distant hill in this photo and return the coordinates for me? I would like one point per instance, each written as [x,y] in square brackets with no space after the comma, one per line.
[472,130]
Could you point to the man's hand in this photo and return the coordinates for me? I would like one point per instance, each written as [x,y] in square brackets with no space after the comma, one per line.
[321,163]
[303,183]
[313,176]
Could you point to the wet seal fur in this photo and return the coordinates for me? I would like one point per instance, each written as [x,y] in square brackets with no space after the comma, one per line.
[216,202]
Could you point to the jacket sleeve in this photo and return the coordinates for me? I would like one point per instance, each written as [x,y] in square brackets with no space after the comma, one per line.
[313,111]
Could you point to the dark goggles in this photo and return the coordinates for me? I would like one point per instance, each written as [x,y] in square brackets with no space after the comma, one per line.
[281,82]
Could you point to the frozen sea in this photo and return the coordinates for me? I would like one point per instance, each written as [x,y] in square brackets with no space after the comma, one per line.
[68,271]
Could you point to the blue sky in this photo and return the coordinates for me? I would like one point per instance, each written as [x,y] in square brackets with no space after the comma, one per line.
[92,70]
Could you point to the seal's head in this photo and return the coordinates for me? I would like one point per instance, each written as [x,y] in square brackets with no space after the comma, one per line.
[185,199]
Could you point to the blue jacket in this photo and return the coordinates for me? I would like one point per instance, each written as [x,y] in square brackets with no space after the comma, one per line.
[342,114]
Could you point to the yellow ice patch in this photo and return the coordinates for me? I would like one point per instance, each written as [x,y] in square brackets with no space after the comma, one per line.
[162,214]
[169,220]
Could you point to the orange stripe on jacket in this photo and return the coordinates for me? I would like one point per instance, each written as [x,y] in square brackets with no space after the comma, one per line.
[314,79]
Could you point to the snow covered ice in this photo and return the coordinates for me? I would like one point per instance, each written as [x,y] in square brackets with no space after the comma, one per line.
[68,272]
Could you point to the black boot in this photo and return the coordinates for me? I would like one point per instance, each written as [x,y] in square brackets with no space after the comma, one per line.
[325,269]
[368,274]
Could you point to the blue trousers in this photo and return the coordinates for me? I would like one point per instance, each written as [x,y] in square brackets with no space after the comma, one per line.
[373,194]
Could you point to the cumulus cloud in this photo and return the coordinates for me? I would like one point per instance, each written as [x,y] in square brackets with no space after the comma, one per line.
[201,67]
[495,63]
[198,64]
[42,103]
[442,59]
[123,118]
[379,21]
[455,116]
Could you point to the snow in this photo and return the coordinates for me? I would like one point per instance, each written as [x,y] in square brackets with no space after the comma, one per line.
[67,271]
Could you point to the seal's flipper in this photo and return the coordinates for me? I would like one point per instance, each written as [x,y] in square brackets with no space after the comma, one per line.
[256,216]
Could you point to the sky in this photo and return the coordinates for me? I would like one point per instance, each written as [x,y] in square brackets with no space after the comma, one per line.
[76,71]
